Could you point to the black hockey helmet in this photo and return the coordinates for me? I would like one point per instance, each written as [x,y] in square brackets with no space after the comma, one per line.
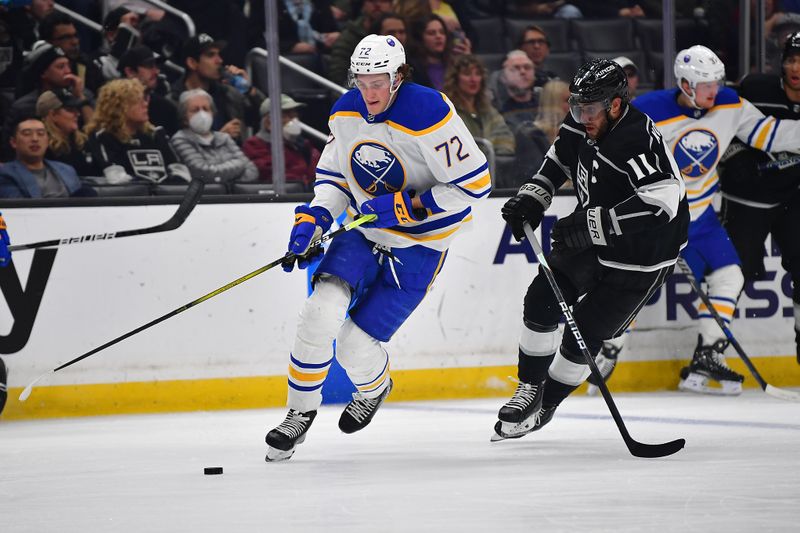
[791,46]
[599,80]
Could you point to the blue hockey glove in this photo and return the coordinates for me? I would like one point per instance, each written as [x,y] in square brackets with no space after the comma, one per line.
[309,225]
[582,230]
[5,254]
[392,210]
[529,206]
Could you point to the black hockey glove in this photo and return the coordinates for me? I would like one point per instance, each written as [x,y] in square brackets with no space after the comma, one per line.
[581,230]
[528,206]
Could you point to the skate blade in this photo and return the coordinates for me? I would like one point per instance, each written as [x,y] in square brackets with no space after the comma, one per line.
[510,430]
[704,385]
[274,455]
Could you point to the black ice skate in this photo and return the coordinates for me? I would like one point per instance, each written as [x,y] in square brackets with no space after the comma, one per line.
[606,362]
[708,373]
[535,422]
[527,400]
[283,440]
[360,410]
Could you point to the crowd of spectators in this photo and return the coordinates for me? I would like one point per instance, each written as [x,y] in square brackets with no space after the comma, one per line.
[142,102]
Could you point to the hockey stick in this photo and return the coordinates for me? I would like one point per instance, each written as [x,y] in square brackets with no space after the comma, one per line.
[638,449]
[190,199]
[766,387]
[357,222]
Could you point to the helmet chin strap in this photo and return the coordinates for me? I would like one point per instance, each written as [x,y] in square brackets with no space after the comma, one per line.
[690,96]
[392,95]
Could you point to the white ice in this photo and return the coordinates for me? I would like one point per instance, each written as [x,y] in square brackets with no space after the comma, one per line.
[419,467]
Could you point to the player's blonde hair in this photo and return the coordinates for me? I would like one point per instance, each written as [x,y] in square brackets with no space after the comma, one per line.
[113,102]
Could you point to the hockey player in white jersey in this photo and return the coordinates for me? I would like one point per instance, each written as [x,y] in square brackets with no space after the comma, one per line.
[397,150]
[699,119]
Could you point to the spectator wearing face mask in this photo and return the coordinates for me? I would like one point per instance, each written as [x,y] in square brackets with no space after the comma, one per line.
[211,156]
[300,156]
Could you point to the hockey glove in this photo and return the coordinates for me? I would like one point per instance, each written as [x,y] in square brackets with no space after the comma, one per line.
[528,206]
[5,254]
[582,230]
[392,210]
[309,225]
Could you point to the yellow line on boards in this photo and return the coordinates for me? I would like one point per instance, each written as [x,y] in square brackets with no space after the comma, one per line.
[409,385]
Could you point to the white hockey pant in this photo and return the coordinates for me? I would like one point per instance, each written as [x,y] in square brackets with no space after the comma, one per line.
[723,288]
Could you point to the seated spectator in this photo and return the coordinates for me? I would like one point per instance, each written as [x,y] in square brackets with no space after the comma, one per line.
[59,30]
[535,43]
[124,144]
[211,156]
[121,33]
[46,69]
[516,81]
[204,70]
[351,35]
[30,175]
[306,27]
[465,85]
[300,156]
[391,24]
[141,63]
[59,112]
[534,138]
[631,72]
[19,31]
[431,48]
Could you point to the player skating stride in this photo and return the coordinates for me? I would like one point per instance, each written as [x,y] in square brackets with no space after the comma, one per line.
[698,120]
[399,151]
[614,250]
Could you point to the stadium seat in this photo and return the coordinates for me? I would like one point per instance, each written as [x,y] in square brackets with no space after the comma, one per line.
[557,31]
[490,33]
[604,35]
[290,79]
[564,64]
[651,34]
[125,189]
[180,190]
[505,173]
[492,62]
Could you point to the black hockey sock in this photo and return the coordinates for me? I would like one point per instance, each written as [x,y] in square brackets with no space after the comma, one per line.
[533,369]
[555,392]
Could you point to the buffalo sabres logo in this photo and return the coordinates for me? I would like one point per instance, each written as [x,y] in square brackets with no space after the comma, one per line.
[696,152]
[376,169]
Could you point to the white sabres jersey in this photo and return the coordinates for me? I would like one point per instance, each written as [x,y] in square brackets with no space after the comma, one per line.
[418,144]
[698,139]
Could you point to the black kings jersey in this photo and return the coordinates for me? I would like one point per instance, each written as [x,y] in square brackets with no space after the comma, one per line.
[757,178]
[632,173]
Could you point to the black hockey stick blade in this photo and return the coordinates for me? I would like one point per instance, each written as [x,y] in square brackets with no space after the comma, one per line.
[193,193]
[783,394]
[26,392]
[637,449]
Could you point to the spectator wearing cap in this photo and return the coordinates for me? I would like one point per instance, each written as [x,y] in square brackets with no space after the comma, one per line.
[535,43]
[46,68]
[631,72]
[30,175]
[59,30]
[142,64]
[211,156]
[300,156]
[59,111]
[236,107]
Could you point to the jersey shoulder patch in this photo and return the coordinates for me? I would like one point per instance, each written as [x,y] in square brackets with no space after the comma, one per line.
[418,109]
[660,105]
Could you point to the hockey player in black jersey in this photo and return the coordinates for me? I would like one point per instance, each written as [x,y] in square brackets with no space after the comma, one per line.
[759,189]
[612,252]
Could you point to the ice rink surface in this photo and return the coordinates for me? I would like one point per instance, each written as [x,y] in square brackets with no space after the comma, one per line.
[418,467]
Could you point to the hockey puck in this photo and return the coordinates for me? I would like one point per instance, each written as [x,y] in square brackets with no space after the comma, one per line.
[212,470]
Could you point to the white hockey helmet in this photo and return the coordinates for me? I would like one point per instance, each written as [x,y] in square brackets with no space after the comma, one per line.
[377,54]
[698,64]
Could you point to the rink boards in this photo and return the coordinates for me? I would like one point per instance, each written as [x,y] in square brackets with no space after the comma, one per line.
[232,350]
